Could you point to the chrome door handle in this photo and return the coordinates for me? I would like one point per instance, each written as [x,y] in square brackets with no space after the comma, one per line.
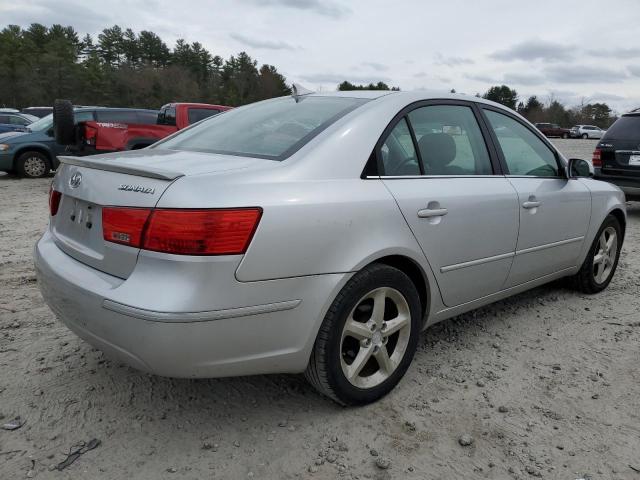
[530,204]
[432,212]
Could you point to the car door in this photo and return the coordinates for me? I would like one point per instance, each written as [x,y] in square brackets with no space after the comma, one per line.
[554,211]
[445,178]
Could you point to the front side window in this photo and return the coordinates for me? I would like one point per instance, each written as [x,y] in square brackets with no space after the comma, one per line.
[398,152]
[450,141]
[167,116]
[18,120]
[273,129]
[524,153]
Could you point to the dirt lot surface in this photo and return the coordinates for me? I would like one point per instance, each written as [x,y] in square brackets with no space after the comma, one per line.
[546,384]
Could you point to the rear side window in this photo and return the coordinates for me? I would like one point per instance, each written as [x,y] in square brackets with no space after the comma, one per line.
[117,116]
[273,129]
[4,118]
[450,141]
[197,114]
[147,117]
[626,127]
[398,153]
[524,153]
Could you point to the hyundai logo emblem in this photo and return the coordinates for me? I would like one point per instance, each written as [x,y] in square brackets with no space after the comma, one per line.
[75,180]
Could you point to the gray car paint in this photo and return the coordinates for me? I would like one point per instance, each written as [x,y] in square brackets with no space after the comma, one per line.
[231,315]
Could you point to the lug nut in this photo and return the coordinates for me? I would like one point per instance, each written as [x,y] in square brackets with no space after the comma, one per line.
[366,342]
[384,325]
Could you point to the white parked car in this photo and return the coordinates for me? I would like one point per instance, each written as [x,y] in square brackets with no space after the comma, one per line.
[587,131]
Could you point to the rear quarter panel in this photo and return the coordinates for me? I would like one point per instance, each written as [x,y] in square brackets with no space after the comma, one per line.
[307,227]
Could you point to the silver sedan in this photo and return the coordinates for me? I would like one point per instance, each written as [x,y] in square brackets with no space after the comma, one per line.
[318,233]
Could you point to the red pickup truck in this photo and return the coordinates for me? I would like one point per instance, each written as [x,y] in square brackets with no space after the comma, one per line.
[91,137]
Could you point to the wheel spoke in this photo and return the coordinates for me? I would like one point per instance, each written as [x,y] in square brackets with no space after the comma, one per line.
[363,356]
[384,362]
[357,330]
[603,242]
[600,272]
[378,307]
[599,258]
[610,243]
[395,324]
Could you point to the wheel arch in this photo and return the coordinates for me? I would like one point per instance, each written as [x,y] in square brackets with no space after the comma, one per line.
[33,148]
[415,273]
[620,216]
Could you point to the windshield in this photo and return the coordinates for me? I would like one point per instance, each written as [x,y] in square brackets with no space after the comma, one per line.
[45,123]
[626,127]
[273,129]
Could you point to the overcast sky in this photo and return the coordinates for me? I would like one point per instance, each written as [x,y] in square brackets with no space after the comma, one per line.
[571,50]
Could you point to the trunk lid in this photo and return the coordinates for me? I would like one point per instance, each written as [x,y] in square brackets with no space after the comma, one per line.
[127,179]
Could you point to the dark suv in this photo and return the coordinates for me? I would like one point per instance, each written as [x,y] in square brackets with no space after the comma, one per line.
[616,158]
[33,153]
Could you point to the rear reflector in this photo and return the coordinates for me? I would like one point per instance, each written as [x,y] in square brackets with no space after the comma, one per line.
[54,201]
[182,232]
[597,158]
[124,225]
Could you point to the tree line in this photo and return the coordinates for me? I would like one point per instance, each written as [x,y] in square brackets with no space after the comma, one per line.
[553,111]
[124,68]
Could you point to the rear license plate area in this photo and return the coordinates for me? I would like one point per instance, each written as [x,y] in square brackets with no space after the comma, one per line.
[634,160]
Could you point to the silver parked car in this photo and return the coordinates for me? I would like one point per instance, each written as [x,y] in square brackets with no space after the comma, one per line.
[318,233]
[586,131]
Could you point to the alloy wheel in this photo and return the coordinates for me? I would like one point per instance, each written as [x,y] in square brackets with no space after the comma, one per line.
[35,166]
[375,337]
[605,257]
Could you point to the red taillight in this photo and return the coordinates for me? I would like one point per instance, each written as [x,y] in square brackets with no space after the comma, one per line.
[597,158]
[54,201]
[201,232]
[182,232]
[124,225]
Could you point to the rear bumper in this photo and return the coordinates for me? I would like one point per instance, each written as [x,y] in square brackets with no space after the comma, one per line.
[272,335]
[629,185]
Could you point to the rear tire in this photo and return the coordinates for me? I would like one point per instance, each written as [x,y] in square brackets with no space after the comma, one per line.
[602,260]
[32,165]
[368,337]
[64,122]
[565,135]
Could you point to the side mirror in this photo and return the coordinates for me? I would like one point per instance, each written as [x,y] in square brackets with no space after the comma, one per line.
[50,132]
[578,167]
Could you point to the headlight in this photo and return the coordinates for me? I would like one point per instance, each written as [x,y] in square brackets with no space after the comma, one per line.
[4,147]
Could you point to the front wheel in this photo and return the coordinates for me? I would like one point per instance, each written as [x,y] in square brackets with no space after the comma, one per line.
[32,165]
[368,337]
[601,262]
[585,136]
[565,135]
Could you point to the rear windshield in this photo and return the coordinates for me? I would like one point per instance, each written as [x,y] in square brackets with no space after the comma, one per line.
[625,128]
[274,129]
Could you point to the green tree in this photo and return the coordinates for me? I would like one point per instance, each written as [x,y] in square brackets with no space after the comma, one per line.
[502,94]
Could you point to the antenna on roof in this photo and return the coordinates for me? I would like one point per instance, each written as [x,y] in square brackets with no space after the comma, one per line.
[298,91]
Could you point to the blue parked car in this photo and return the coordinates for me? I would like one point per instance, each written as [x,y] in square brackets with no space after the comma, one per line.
[14,121]
[33,153]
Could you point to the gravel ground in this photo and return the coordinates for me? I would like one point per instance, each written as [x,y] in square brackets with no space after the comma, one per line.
[544,384]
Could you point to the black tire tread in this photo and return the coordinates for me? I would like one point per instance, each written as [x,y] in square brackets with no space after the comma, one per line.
[316,372]
[63,122]
[583,279]
[19,163]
